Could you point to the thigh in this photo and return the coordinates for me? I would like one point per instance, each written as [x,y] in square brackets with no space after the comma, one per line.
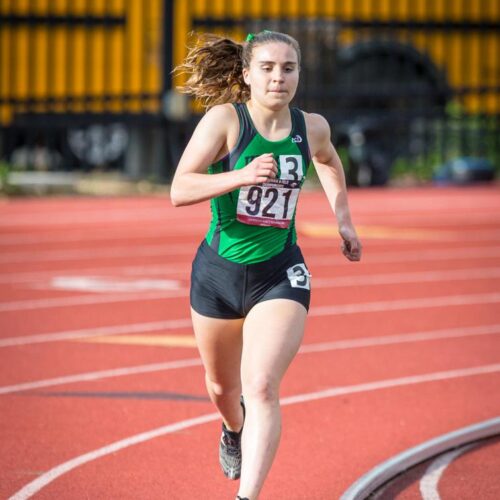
[272,333]
[286,278]
[220,344]
[216,285]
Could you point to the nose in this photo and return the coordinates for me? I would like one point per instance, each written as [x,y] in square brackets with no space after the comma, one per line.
[278,74]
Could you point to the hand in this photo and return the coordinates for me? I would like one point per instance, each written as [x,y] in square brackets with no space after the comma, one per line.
[351,246]
[259,170]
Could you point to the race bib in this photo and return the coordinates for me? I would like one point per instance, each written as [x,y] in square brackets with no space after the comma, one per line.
[273,203]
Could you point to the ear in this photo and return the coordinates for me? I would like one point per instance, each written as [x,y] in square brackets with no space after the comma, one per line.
[246,76]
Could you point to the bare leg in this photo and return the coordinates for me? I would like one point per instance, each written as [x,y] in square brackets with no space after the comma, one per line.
[272,332]
[220,344]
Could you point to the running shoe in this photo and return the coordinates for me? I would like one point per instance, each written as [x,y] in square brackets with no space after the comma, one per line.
[230,450]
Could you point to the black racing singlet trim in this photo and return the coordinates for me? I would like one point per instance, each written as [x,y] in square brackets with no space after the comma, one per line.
[289,236]
[299,129]
[215,243]
[247,133]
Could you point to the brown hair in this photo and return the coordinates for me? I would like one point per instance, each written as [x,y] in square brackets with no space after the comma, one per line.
[214,66]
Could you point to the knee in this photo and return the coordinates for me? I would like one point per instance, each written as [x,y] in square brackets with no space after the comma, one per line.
[261,388]
[223,389]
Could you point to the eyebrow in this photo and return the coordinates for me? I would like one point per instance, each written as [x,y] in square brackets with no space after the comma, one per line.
[274,62]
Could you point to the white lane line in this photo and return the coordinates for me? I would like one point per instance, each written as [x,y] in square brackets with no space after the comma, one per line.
[398,305]
[97,253]
[180,269]
[451,300]
[91,235]
[173,324]
[430,479]
[317,260]
[419,221]
[414,277]
[412,256]
[305,349]
[165,213]
[155,233]
[341,281]
[108,330]
[35,486]
[81,300]
[468,253]
[446,209]
[369,483]
[74,218]
[110,284]
[98,375]
[451,333]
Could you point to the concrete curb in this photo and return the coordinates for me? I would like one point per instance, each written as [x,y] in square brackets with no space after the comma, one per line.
[387,470]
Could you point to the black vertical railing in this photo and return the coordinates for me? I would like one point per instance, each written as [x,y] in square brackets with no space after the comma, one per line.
[413,72]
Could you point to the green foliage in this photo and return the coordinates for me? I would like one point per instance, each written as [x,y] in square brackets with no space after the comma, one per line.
[4,176]
[447,139]
[6,188]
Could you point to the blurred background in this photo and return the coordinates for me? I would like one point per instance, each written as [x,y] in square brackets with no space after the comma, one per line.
[411,88]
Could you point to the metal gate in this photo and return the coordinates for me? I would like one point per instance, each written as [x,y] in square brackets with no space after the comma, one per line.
[403,83]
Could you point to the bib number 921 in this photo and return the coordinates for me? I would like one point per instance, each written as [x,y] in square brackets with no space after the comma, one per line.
[272,203]
[267,205]
[263,200]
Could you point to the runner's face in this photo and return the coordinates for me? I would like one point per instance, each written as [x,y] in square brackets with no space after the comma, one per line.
[273,74]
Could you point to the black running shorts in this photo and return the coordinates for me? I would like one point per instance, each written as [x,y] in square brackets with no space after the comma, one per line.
[221,288]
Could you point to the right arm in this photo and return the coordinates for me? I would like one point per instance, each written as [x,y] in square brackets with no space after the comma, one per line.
[192,184]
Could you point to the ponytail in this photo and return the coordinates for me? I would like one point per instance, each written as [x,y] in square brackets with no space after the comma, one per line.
[215,66]
[215,69]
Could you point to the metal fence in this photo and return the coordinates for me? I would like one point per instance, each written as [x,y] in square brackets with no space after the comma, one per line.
[404,84]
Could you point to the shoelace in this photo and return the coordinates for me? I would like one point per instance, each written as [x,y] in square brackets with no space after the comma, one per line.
[231,442]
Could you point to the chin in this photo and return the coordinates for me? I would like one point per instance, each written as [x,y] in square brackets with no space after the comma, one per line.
[277,102]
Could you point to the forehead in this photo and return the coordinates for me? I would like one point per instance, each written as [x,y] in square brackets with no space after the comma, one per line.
[278,52]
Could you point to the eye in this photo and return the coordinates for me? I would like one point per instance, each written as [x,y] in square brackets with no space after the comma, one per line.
[266,68]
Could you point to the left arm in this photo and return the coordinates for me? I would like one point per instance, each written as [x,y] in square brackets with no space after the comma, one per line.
[331,175]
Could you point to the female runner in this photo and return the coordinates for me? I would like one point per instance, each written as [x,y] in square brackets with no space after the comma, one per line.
[250,286]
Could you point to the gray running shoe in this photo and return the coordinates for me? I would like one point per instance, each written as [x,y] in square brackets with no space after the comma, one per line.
[230,450]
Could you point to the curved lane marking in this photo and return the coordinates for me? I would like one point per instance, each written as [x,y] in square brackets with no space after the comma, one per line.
[370,482]
[35,486]
[430,480]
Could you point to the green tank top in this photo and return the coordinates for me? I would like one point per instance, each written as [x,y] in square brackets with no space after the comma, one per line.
[254,223]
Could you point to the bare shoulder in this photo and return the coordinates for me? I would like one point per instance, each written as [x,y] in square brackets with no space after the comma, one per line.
[318,131]
[220,115]
[219,124]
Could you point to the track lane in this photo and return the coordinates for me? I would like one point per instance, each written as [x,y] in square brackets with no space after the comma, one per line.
[176,480]
[421,256]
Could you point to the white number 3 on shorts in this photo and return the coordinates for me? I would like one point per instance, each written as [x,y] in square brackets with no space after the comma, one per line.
[298,276]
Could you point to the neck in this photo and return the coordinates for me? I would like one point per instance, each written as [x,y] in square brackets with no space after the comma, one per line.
[270,122]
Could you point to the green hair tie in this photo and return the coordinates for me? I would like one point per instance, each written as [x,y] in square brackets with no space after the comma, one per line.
[251,36]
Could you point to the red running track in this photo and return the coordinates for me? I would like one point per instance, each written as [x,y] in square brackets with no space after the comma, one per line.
[101,389]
